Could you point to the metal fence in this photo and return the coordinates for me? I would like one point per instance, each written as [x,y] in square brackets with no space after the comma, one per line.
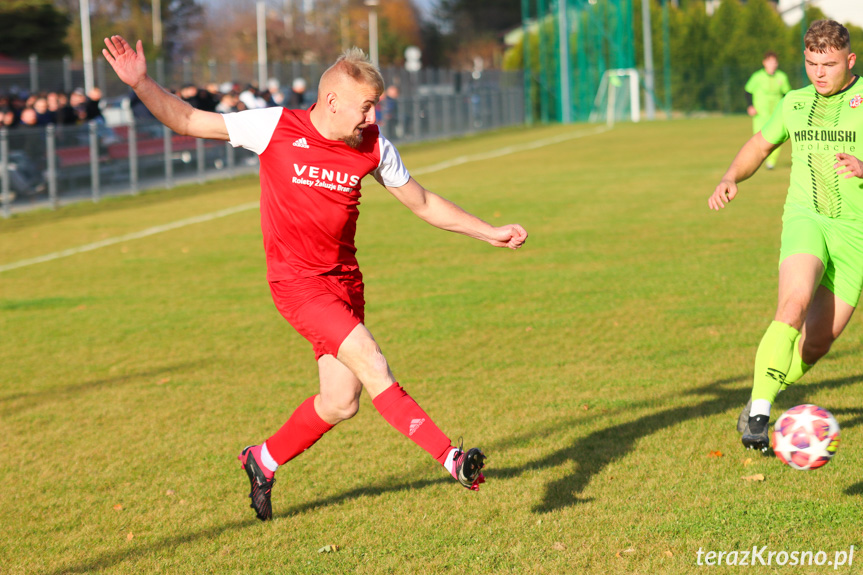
[62,164]
[66,75]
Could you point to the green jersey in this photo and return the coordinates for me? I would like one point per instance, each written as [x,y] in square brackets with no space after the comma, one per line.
[820,127]
[767,91]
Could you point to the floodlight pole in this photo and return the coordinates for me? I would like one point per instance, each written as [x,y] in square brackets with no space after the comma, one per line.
[262,44]
[157,23]
[288,18]
[525,46]
[373,30]
[563,49]
[649,103]
[86,45]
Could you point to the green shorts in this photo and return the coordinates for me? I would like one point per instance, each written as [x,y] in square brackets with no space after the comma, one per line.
[837,243]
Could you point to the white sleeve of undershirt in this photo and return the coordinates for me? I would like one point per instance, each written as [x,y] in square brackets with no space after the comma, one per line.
[391,171]
[253,129]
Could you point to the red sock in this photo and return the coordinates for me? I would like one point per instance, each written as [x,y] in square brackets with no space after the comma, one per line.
[403,413]
[300,432]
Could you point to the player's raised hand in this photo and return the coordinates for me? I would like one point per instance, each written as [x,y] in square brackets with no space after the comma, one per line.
[129,64]
[724,193]
[848,165]
[511,236]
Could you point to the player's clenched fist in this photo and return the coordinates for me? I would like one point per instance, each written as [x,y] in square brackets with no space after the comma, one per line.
[511,236]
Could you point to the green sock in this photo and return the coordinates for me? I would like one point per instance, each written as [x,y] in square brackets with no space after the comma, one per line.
[773,360]
[773,158]
[798,367]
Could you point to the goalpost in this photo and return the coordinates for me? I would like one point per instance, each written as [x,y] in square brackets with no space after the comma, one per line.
[618,97]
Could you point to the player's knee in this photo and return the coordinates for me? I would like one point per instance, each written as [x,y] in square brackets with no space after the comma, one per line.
[374,358]
[348,410]
[340,409]
[792,310]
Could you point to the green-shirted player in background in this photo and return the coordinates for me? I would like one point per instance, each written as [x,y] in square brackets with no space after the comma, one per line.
[821,258]
[764,91]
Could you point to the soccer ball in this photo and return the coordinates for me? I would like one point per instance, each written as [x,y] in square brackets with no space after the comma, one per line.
[806,437]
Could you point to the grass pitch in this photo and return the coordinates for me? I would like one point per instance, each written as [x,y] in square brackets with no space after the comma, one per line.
[601,367]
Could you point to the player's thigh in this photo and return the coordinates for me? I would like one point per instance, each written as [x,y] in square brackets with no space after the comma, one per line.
[799,275]
[837,296]
[844,274]
[361,354]
[803,257]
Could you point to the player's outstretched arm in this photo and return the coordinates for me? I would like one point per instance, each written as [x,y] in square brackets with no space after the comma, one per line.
[444,214]
[131,67]
[747,161]
[849,165]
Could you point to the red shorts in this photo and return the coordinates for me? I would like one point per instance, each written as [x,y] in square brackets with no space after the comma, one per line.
[323,309]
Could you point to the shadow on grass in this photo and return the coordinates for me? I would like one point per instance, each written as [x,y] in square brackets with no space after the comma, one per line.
[18,402]
[593,453]
[590,454]
[856,489]
[108,560]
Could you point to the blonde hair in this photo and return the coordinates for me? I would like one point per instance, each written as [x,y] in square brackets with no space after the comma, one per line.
[826,35]
[354,64]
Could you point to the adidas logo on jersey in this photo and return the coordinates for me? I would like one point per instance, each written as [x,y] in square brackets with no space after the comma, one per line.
[415,424]
[301,143]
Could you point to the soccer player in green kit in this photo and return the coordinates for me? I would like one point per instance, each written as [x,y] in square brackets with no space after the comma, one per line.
[764,91]
[821,258]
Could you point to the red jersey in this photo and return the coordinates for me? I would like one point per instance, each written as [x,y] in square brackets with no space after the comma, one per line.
[310,188]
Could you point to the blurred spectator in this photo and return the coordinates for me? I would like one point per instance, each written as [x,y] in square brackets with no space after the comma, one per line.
[297,98]
[59,104]
[189,94]
[251,99]
[44,116]
[29,117]
[139,110]
[78,102]
[210,97]
[228,103]
[274,96]
[388,112]
[91,106]
[8,119]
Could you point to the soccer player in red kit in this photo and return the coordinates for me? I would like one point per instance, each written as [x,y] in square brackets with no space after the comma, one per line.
[312,164]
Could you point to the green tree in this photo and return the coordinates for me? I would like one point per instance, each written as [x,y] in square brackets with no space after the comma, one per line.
[32,27]
[691,58]
[482,16]
[133,19]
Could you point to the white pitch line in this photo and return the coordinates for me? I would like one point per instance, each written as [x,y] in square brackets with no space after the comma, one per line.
[133,236]
[253,205]
[508,150]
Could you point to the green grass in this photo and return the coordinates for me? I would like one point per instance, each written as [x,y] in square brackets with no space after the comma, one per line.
[598,367]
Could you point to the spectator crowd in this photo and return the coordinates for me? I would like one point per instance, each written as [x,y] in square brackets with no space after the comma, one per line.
[19,109]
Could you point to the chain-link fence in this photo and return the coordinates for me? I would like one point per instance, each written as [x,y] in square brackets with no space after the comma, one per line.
[56,164]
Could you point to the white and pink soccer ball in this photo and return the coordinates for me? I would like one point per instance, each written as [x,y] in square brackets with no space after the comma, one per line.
[806,437]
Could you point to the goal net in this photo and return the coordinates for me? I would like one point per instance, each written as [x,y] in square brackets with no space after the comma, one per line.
[617,98]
